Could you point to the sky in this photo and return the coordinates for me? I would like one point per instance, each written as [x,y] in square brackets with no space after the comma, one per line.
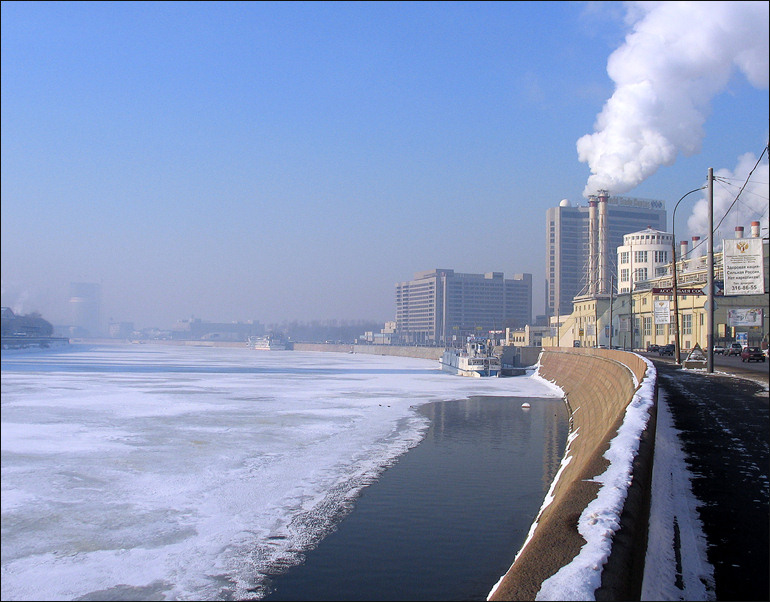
[294,161]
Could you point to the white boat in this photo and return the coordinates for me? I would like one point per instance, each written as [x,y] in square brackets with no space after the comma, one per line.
[267,343]
[475,360]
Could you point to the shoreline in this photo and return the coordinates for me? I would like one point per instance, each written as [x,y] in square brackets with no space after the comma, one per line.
[425,529]
[599,386]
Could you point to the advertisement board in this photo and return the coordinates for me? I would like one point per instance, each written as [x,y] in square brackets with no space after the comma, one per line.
[743,266]
[662,312]
[749,316]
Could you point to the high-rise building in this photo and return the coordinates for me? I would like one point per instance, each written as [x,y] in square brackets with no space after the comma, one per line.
[85,307]
[442,306]
[582,241]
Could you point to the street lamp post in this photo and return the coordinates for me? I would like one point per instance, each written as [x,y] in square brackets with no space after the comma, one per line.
[677,347]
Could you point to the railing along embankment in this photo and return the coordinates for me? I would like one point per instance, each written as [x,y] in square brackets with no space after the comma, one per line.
[599,386]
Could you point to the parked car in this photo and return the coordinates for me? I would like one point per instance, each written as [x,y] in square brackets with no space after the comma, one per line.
[754,354]
[734,349]
[652,348]
[667,349]
[719,350]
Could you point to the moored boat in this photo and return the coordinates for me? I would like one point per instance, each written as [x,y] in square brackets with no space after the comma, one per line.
[267,343]
[476,360]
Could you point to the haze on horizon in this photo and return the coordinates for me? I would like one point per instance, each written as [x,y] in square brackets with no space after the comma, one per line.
[293,161]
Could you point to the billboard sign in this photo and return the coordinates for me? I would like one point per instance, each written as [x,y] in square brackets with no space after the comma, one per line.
[743,266]
[662,312]
[751,316]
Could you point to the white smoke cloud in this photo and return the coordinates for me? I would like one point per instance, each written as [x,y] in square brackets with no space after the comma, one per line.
[678,56]
[18,300]
[751,205]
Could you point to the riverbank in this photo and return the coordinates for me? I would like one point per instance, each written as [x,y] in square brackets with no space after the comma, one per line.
[600,386]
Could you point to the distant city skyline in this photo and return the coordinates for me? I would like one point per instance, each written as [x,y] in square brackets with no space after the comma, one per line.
[295,161]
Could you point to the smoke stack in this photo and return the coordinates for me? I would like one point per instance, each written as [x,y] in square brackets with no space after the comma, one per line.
[754,229]
[593,236]
[604,244]
[683,249]
[738,231]
[696,251]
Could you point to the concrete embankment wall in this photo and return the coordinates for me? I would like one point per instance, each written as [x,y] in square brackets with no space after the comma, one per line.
[428,353]
[599,386]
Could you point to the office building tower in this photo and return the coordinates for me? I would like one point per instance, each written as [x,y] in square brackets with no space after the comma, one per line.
[445,307]
[582,241]
[85,302]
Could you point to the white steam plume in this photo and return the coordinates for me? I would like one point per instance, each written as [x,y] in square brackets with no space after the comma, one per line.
[677,58]
[751,206]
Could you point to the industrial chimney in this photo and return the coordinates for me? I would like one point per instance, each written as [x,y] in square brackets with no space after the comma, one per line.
[604,245]
[738,231]
[592,245]
[754,229]
[696,251]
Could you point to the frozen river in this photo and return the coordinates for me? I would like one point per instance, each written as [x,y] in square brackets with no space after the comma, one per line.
[168,472]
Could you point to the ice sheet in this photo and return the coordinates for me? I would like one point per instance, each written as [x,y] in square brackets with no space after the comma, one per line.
[180,473]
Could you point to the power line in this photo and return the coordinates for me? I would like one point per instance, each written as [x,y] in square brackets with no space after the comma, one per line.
[748,177]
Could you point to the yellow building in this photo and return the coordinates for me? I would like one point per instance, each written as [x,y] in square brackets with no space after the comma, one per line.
[529,336]
[635,320]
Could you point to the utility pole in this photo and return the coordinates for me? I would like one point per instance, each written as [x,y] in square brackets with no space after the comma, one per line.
[677,352]
[710,298]
[612,301]
[631,298]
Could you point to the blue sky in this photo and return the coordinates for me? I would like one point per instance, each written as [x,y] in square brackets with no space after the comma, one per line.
[272,161]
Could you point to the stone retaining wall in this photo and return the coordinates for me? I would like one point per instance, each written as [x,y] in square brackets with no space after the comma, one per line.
[428,353]
[598,385]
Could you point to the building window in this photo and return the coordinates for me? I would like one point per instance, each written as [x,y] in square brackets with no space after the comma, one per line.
[660,330]
[687,324]
[640,256]
[647,327]
[624,257]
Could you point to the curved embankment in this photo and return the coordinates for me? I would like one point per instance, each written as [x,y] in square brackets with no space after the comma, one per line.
[599,386]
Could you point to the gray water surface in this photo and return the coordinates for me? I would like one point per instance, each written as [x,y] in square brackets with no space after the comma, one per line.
[446,521]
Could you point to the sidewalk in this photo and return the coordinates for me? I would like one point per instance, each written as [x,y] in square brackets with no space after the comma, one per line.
[723,421]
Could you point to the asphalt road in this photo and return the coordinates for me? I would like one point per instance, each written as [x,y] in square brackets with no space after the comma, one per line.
[724,424]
